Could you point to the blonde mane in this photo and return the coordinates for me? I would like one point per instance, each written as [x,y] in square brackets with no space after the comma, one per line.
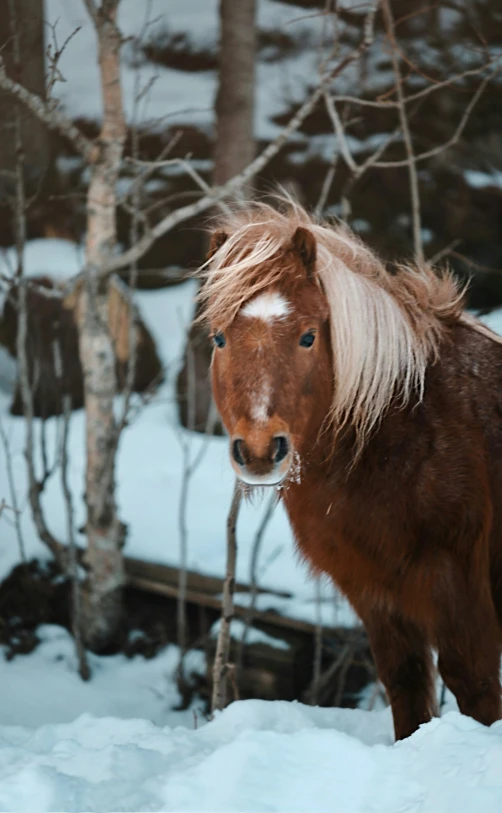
[385,329]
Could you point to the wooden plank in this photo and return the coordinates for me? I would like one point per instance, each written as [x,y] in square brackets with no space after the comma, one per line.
[208,600]
[164,574]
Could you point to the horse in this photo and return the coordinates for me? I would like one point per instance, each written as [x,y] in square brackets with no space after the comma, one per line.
[373,403]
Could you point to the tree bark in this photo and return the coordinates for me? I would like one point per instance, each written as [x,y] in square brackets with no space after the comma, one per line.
[234,106]
[234,149]
[102,599]
[30,72]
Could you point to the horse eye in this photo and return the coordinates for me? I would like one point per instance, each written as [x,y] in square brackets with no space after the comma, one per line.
[307,340]
[219,340]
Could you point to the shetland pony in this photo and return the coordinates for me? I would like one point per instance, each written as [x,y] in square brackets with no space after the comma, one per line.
[375,406]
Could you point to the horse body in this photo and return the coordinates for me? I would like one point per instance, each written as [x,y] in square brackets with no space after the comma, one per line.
[400,505]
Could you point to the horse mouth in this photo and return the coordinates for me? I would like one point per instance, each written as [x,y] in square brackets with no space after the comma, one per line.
[262,477]
[262,480]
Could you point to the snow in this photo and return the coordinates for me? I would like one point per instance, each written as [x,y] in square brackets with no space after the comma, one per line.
[150,465]
[254,636]
[118,742]
[48,256]
[44,687]
[149,470]
[480,180]
[255,756]
[177,96]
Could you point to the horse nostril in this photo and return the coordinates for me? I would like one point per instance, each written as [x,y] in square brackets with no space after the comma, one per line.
[281,448]
[237,452]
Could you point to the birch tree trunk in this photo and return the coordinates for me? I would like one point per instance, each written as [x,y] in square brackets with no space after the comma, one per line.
[102,599]
[234,150]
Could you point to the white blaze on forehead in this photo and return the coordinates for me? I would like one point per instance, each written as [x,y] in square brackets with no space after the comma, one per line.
[267,306]
[260,403]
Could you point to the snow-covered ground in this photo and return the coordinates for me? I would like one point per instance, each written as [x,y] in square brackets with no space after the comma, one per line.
[255,756]
[44,686]
[117,743]
[149,470]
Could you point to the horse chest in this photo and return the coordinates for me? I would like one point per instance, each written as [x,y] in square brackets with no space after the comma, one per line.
[346,540]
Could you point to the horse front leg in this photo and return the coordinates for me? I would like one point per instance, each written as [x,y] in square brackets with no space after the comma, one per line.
[404,663]
[469,646]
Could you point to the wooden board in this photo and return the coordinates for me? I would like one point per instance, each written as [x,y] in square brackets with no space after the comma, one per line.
[205,591]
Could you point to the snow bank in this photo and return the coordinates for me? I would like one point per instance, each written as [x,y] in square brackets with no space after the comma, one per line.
[149,471]
[44,686]
[255,756]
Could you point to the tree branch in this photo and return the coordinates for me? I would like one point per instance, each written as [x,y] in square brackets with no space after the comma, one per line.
[226,190]
[403,118]
[220,668]
[47,113]
[451,141]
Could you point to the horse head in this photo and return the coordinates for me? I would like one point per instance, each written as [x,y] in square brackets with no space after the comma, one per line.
[271,367]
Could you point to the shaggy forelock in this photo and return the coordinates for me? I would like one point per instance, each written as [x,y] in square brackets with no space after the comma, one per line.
[385,328]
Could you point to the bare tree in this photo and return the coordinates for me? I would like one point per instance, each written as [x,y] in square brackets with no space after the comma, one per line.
[102,603]
[23,57]
[105,572]
[234,150]
[234,106]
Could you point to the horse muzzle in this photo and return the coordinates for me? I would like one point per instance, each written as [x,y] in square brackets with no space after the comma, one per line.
[265,466]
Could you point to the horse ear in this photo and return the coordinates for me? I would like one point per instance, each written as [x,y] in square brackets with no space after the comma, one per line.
[217,239]
[304,244]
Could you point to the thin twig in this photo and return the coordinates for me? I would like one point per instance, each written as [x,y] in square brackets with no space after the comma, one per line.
[316,671]
[22,327]
[47,113]
[253,573]
[422,156]
[13,491]
[389,104]
[403,117]
[219,696]
[228,189]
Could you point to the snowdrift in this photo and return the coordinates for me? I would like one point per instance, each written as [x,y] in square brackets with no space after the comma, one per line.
[255,756]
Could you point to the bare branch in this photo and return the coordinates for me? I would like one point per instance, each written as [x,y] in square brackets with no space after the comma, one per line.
[389,104]
[220,668]
[443,252]
[253,574]
[412,169]
[13,491]
[149,167]
[340,132]
[357,169]
[47,113]
[22,329]
[451,141]
[26,395]
[327,183]
[228,189]
[316,672]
